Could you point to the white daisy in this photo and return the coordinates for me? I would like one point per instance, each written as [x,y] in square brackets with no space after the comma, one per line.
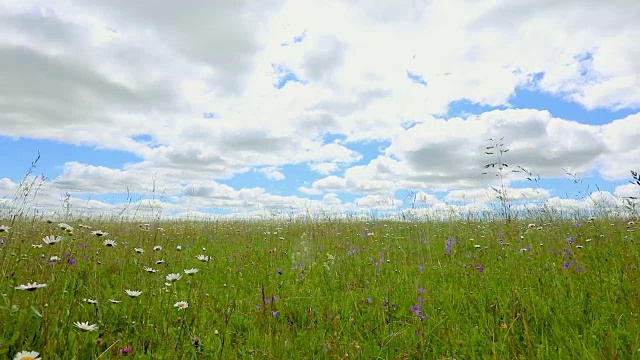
[86,326]
[50,239]
[191,271]
[181,305]
[65,227]
[54,258]
[151,270]
[174,277]
[4,228]
[159,261]
[36,246]
[138,250]
[114,301]
[109,243]
[91,301]
[27,355]
[133,293]
[99,233]
[202,257]
[31,286]
[178,247]
[157,247]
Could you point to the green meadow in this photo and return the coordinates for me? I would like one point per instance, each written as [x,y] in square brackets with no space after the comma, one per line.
[320,290]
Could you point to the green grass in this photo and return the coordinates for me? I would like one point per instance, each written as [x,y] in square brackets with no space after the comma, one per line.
[340,293]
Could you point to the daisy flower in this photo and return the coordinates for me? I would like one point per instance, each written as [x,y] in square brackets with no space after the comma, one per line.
[191,271]
[91,301]
[30,286]
[99,233]
[54,258]
[133,293]
[174,277]
[109,243]
[4,228]
[159,261]
[50,239]
[138,250]
[151,270]
[37,246]
[65,227]
[114,301]
[202,257]
[178,247]
[84,226]
[157,247]
[86,326]
[27,355]
[181,305]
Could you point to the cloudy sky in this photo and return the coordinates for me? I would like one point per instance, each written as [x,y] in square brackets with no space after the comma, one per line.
[248,107]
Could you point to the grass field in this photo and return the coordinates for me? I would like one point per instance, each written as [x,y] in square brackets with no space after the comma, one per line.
[324,289]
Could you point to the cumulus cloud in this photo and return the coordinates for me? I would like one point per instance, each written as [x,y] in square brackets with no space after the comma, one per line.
[106,74]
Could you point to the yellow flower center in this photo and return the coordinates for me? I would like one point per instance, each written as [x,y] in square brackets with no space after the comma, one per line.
[27,357]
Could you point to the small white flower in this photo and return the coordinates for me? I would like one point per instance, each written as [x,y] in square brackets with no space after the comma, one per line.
[30,286]
[109,243]
[65,227]
[54,258]
[133,293]
[174,277]
[114,301]
[579,246]
[191,271]
[477,246]
[37,246]
[531,226]
[27,355]
[139,250]
[157,247]
[86,326]
[99,233]
[50,239]
[178,247]
[151,270]
[84,226]
[4,228]
[202,257]
[91,301]
[181,305]
[159,261]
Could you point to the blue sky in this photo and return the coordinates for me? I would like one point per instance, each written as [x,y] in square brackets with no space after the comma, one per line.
[300,111]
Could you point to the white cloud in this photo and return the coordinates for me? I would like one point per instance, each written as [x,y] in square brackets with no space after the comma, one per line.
[272,173]
[445,154]
[102,73]
[324,168]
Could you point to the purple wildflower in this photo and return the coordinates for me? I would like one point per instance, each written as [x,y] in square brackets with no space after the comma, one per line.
[126,350]
[274,313]
[420,267]
[449,245]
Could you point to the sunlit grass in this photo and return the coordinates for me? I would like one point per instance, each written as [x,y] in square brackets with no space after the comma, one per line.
[304,290]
